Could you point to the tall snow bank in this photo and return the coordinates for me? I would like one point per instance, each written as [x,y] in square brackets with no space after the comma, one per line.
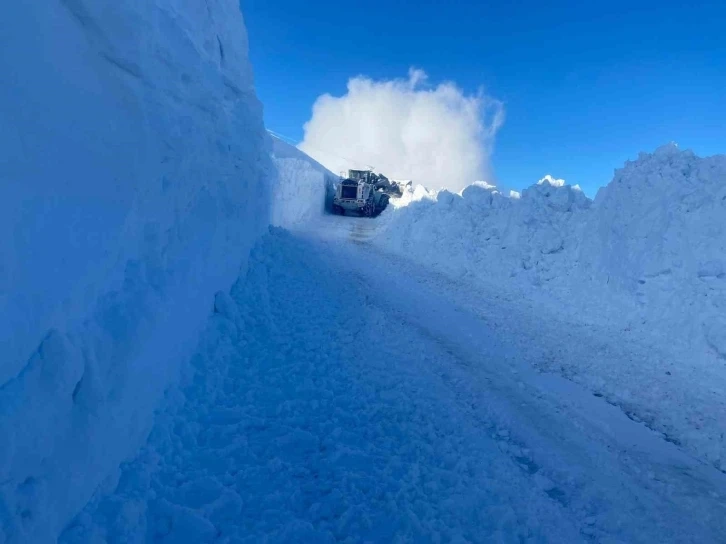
[658,233]
[662,214]
[304,188]
[485,233]
[133,181]
[647,256]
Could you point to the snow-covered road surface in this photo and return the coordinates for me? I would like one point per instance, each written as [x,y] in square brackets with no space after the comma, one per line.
[343,395]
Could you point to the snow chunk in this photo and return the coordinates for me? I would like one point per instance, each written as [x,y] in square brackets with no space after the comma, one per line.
[484,185]
[549,180]
[481,194]
[557,196]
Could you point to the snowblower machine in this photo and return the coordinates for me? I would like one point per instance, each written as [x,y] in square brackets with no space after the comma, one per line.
[364,192]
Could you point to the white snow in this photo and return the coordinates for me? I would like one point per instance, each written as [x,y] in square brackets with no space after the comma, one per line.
[303,189]
[645,260]
[470,367]
[134,175]
[554,182]
[340,395]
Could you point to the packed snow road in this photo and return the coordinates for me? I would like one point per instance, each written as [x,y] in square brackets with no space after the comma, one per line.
[342,395]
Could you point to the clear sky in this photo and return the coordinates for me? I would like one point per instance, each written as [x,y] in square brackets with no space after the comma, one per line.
[586,85]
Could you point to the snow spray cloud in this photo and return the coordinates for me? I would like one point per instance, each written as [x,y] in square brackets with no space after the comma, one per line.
[406,129]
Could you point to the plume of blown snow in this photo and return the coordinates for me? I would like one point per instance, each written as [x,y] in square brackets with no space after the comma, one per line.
[407,129]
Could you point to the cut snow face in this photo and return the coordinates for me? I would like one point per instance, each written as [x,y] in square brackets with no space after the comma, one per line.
[303,189]
[135,179]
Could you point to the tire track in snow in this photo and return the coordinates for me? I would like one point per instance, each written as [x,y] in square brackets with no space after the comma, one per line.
[321,407]
[615,475]
[294,428]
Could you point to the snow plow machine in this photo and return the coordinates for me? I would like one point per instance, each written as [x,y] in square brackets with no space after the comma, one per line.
[364,192]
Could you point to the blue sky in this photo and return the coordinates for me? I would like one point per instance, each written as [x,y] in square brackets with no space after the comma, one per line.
[585,85]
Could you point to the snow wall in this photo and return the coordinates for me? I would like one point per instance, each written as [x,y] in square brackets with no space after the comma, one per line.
[654,238]
[647,256]
[304,189]
[658,234]
[134,179]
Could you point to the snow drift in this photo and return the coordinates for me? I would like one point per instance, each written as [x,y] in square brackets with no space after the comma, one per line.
[134,174]
[647,256]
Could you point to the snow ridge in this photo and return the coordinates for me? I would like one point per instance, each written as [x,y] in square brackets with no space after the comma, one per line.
[648,255]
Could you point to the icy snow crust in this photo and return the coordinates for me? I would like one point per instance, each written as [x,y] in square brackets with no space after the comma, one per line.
[646,260]
[133,181]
